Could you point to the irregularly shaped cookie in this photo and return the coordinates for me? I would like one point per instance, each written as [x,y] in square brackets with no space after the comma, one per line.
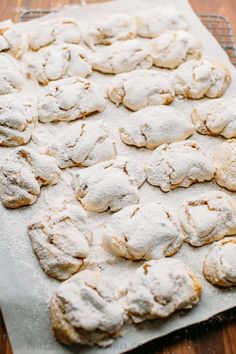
[12,40]
[109,185]
[70,99]
[178,165]
[172,48]
[198,78]
[208,217]
[18,115]
[11,77]
[122,56]
[83,145]
[153,126]
[216,117]
[87,309]
[219,266]
[54,32]
[160,287]
[142,231]
[156,21]
[111,29]
[225,164]
[141,88]
[58,62]
[22,174]
[60,240]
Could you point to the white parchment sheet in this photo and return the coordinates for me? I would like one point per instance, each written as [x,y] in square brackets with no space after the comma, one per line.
[25,290]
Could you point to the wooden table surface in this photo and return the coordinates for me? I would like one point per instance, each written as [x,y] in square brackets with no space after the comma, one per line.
[216,336]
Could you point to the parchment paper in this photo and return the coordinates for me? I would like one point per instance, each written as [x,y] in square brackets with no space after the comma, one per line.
[25,290]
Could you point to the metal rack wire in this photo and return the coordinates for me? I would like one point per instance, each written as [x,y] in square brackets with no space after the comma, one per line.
[218,25]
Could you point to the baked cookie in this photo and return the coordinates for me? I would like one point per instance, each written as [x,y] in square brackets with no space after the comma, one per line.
[158,20]
[111,29]
[216,117]
[22,174]
[161,287]
[87,309]
[12,40]
[11,76]
[141,88]
[208,217]
[83,145]
[58,62]
[142,231]
[225,165]
[58,31]
[121,57]
[153,126]
[199,78]
[61,240]
[219,266]
[18,116]
[70,99]
[109,185]
[178,165]
[172,48]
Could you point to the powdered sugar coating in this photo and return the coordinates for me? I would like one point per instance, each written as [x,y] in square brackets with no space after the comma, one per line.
[159,288]
[58,31]
[109,185]
[141,88]
[59,61]
[60,239]
[216,117]
[11,76]
[153,126]
[142,231]
[12,40]
[70,99]
[83,144]
[208,217]
[219,266]
[178,165]
[22,174]
[87,309]
[18,116]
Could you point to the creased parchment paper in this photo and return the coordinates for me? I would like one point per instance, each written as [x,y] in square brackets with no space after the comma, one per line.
[25,290]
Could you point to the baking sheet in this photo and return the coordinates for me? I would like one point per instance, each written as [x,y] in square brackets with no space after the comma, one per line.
[25,290]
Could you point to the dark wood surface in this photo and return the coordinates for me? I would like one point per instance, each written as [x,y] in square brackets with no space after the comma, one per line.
[216,336]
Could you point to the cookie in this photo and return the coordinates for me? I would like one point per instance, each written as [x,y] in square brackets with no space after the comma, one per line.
[70,99]
[122,56]
[216,117]
[11,76]
[87,309]
[172,48]
[59,61]
[22,174]
[155,21]
[12,40]
[83,145]
[60,239]
[219,266]
[208,217]
[178,165]
[225,165]
[18,116]
[153,126]
[159,288]
[110,185]
[140,89]
[111,29]
[196,79]
[58,31]
[142,231]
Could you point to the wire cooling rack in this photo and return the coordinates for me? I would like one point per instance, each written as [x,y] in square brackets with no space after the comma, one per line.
[218,25]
